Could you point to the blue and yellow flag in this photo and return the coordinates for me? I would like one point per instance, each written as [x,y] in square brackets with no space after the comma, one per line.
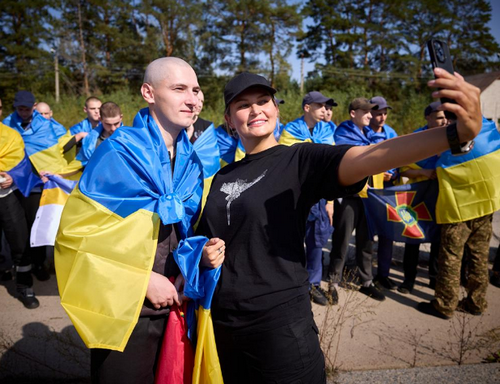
[200,284]
[469,185]
[43,146]
[404,213]
[230,148]
[54,196]
[107,239]
[82,126]
[14,161]
[297,131]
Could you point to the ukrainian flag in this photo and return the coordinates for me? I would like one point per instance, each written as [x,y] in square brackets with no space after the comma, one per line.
[14,161]
[469,185]
[230,148]
[43,146]
[54,195]
[108,235]
[200,284]
[87,150]
[297,131]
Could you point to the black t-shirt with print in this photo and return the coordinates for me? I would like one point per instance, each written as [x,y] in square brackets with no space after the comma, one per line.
[259,207]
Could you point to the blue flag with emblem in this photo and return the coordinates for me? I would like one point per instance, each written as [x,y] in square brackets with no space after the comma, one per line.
[404,213]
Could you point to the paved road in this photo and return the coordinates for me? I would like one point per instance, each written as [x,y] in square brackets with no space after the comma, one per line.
[366,341]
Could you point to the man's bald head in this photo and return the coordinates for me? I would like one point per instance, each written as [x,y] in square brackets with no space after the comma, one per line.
[159,69]
[44,110]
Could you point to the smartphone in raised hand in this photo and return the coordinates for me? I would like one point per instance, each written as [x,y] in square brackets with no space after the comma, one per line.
[440,58]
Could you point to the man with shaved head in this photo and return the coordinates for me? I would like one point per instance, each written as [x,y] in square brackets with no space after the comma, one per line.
[141,193]
[45,110]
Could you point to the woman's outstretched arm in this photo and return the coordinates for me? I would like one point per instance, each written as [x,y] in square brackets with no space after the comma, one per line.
[359,162]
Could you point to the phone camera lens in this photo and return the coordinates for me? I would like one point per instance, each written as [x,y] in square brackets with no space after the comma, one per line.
[439,51]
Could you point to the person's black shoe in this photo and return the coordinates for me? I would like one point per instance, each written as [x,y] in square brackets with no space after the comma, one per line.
[317,296]
[404,288]
[429,309]
[373,292]
[463,306]
[333,295]
[27,297]
[384,282]
[432,283]
[495,279]
[40,273]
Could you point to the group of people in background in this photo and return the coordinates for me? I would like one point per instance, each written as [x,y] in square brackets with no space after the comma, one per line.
[35,146]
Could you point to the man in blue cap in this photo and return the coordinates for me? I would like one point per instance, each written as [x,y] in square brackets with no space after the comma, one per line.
[311,127]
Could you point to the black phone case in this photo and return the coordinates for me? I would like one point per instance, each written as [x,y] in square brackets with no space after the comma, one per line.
[440,58]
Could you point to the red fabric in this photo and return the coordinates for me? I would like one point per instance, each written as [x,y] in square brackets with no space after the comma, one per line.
[176,362]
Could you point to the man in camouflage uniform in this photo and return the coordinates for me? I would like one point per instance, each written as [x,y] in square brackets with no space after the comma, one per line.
[476,234]
[473,231]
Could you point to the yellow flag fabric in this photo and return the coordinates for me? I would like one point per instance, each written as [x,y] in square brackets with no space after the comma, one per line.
[206,364]
[11,148]
[469,185]
[94,242]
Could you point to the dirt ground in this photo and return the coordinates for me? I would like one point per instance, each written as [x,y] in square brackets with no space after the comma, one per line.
[358,334]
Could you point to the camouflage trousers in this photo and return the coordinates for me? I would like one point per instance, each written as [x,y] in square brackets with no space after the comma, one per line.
[476,234]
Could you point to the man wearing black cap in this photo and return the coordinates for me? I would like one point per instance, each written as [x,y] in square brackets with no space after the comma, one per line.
[350,214]
[423,170]
[381,132]
[311,127]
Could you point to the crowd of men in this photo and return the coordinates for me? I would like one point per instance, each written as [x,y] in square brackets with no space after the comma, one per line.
[33,135]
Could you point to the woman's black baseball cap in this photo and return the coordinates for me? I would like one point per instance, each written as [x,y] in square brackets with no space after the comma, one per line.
[240,83]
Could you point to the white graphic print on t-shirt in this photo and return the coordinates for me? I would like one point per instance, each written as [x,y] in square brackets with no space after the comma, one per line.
[234,190]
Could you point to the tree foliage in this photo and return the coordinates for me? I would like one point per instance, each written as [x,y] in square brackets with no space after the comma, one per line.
[103,46]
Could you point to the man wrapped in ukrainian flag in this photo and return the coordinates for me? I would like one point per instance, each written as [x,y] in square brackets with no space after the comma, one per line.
[127,228]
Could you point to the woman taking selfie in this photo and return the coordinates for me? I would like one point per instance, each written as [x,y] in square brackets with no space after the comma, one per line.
[264,326]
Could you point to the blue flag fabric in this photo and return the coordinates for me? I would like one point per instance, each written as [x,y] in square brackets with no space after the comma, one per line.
[24,178]
[404,213]
[348,133]
[322,132]
[88,145]
[82,126]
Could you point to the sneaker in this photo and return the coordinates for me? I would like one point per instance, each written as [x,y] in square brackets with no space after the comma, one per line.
[40,273]
[404,288]
[384,282]
[27,297]
[333,295]
[495,279]
[318,296]
[373,292]
[428,309]
[463,306]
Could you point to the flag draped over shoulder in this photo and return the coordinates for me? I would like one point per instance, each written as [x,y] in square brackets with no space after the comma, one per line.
[14,161]
[43,146]
[297,131]
[54,196]
[89,143]
[82,126]
[348,133]
[469,185]
[230,148]
[403,213]
[107,239]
